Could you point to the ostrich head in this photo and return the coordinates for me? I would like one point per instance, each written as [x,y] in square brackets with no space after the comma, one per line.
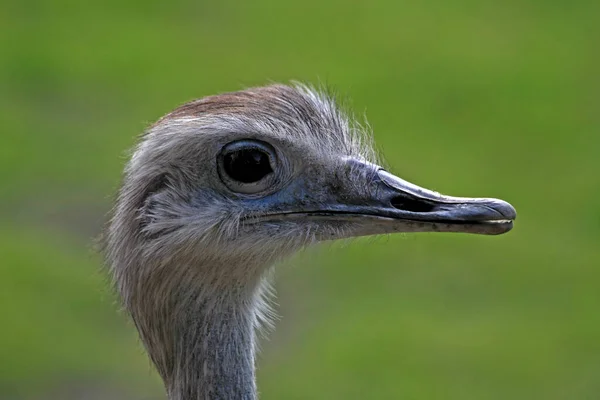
[222,187]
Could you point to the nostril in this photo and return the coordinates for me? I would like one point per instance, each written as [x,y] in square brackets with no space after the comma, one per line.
[413,205]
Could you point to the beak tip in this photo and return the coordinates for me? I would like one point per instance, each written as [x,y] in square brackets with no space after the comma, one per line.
[505,209]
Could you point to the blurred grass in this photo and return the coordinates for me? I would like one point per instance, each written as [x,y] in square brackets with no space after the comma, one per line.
[469,97]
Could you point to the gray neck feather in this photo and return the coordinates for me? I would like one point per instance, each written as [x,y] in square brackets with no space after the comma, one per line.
[214,354]
[200,333]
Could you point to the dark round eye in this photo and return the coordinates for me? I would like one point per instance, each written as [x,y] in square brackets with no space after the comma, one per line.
[247,165]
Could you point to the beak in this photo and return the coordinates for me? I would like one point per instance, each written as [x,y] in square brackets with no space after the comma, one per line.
[412,208]
[367,200]
[371,201]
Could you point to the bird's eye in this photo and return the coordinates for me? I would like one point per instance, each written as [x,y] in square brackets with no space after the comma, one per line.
[246,166]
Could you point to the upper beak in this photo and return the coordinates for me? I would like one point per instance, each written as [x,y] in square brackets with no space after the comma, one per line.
[426,210]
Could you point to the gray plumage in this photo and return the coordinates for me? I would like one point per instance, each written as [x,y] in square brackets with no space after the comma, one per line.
[190,248]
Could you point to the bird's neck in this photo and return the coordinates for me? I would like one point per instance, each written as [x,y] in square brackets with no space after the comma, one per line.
[214,355]
[201,337]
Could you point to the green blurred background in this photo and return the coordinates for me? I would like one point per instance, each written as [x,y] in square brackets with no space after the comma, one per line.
[469,97]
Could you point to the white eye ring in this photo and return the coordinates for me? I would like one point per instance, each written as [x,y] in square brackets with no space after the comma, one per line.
[247,166]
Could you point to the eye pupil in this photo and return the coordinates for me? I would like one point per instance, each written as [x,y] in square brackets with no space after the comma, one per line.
[247,165]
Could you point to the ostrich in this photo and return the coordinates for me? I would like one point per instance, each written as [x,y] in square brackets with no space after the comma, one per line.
[220,189]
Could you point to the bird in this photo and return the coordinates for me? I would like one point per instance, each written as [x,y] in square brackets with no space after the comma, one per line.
[222,188]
